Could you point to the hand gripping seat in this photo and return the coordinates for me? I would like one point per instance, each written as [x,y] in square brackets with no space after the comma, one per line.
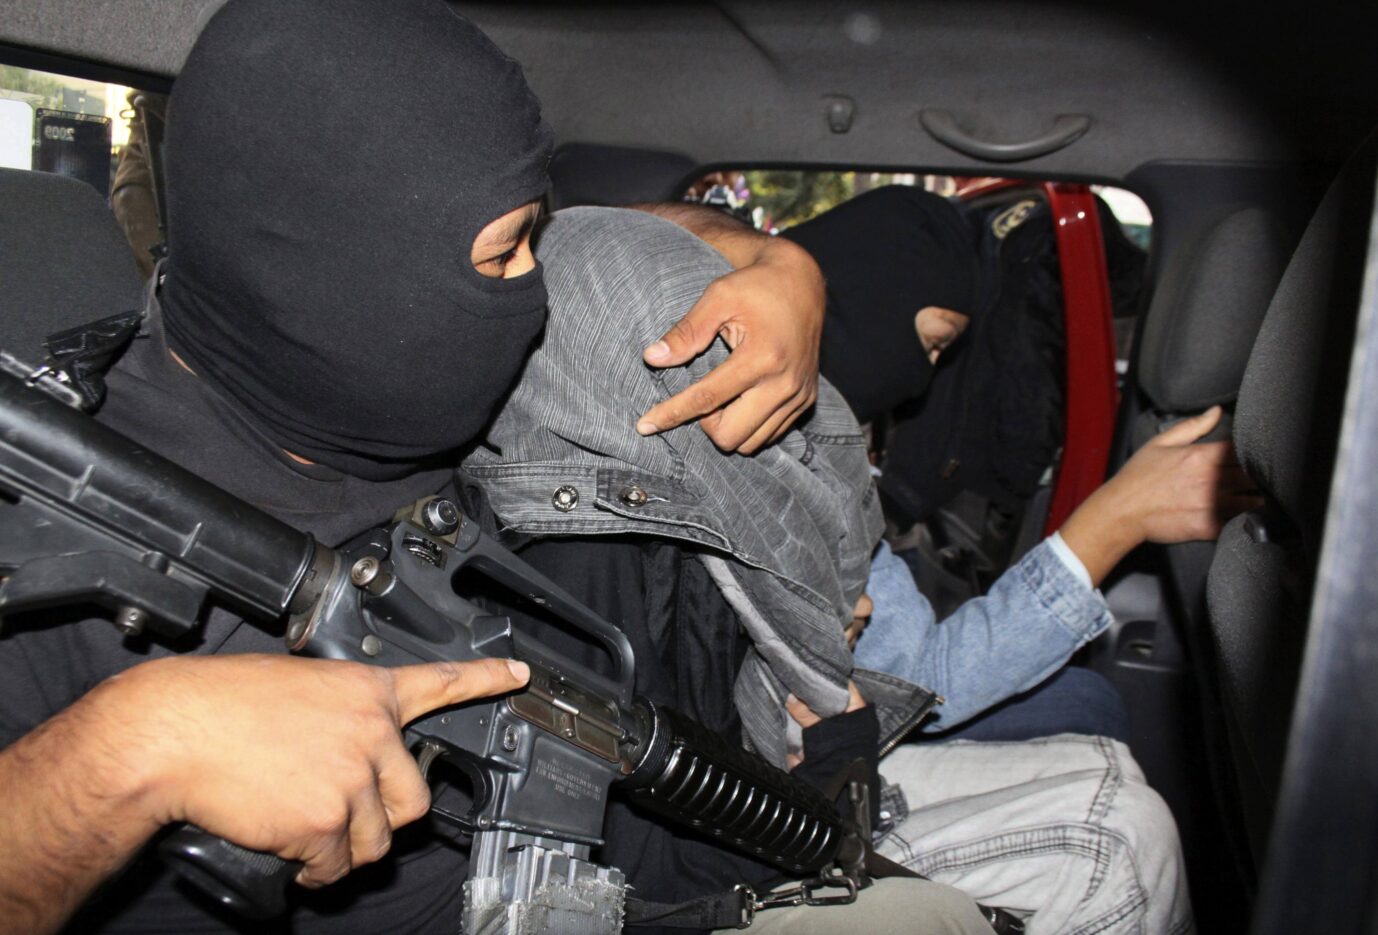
[1286,430]
[63,260]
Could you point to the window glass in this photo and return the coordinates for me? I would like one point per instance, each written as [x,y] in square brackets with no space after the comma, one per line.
[1130,211]
[57,123]
[776,199]
[16,134]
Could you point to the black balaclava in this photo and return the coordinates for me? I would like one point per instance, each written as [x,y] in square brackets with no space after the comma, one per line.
[885,255]
[329,163]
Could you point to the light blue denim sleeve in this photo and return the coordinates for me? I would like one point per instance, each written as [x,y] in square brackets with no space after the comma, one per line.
[1024,629]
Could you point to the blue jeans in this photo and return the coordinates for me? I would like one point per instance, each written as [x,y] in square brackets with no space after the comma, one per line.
[1073,701]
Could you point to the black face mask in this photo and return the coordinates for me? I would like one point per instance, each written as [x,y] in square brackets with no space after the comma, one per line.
[329,163]
[885,255]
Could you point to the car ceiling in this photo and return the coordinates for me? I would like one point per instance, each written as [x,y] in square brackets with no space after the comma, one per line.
[749,82]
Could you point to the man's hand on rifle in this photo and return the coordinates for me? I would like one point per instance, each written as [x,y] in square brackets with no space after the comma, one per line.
[299,757]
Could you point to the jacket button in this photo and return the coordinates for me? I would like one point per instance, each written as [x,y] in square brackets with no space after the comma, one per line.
[633,496]
[565,498]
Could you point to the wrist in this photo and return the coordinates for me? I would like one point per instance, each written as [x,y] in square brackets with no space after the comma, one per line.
[77,808]
[802,277]
[118,736]
[1100,533]
[744,246]
[785,252]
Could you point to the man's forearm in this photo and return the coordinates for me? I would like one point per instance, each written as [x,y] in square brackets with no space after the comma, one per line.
[70,820]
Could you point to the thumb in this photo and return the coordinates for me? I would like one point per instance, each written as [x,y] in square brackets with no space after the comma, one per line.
[689,337]
[1189,430]
[420,689]
[802,713]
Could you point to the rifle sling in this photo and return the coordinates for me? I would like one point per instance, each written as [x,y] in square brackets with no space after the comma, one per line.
[718,911]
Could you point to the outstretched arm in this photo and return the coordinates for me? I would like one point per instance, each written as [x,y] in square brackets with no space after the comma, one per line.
[1039,611]
[300,757]
[769,311]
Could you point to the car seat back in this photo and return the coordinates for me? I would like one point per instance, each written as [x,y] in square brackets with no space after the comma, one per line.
[595,174]
[1209,304]
[1286,430]
[1221,248]
[63,260]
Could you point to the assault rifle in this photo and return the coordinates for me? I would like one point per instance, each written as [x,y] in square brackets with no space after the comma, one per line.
[91,517]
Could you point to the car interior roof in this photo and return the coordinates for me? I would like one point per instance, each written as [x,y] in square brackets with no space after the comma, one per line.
[1223,119]
[749,80]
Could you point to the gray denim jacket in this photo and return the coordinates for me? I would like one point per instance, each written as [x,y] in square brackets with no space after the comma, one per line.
[789,531]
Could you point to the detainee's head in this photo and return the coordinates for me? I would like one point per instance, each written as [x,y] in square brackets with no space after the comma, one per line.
[903,273]
[351,190]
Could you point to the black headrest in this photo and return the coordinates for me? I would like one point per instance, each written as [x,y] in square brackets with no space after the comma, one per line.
[1291,400]
[593,174]
[63,260]
[1209,303]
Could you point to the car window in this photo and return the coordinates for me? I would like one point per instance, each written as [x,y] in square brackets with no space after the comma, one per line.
[776,199]
[63,124]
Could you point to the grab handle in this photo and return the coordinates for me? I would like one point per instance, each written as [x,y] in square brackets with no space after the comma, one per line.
[942,126]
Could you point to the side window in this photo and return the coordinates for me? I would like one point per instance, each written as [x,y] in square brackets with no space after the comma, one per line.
[775,199]
[778,199]
[1127,287]
[106,135]
[991,434]
[57,123]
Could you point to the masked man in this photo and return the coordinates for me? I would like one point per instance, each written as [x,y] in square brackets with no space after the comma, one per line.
[349,294]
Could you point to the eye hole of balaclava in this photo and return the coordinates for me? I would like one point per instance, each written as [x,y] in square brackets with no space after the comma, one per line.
[329,164]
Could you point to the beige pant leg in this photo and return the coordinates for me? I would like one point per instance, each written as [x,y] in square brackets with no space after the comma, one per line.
[893,906]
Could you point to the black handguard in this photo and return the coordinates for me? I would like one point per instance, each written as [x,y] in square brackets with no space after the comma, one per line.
[697,778]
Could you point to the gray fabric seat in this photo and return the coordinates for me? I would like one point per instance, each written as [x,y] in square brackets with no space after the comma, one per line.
[63,260]
[1196,340]
[1209,304]
[1217,278]
[1286,429]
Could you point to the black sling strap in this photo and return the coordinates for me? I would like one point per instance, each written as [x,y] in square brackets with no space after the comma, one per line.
[738,907]
[80,356]
[78,359]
